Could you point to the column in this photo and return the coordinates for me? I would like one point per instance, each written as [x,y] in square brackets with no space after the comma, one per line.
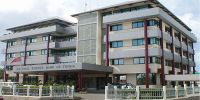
[24,77]
[162,76]
[146,54]
[80,80]
[17,77]
[25,51]
[48,42]
[107,45]
[4,73]
[173,62]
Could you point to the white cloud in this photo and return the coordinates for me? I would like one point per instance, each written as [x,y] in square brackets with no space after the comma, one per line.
[16,5]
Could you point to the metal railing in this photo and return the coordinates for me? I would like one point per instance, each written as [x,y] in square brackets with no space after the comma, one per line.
[151,93]
[52,91]
[114,93]
[170,93]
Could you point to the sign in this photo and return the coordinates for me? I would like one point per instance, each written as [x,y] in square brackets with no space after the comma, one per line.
[47,67]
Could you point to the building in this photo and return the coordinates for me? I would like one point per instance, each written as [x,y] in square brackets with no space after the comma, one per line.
[139,42]
[46,51]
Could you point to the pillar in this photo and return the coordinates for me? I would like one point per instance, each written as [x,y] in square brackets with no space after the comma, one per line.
[5,77]
[17,77]
[107,45]
[146,54]
[80,80]
[48,42]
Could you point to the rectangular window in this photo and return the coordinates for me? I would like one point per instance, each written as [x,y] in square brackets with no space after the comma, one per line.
[107,13]
[31,53]
[178,50]
[168,63]
[22,54]
[185,53]
[169,46]
[70,53]
[116,44]
[152,22]
[12,43]
[45,38]
[138,24]
[140,78]
[153,40]
[23,41]
[32,40]
[138,60]
[44,52]
[154,60]
[138,42]
[116,27]
[117,61]
[167,29]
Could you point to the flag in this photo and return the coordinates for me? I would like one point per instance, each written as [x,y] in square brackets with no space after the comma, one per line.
[18,59]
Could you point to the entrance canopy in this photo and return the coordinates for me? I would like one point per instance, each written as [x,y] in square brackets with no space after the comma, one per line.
[187,77]
[62,67]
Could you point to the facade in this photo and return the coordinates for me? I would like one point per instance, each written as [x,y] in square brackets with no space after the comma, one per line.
[140,42]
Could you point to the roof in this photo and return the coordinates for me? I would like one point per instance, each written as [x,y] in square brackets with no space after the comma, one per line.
[42,23]
[156,2]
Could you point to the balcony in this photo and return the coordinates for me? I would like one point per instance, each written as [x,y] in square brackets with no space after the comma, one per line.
[167,37]
[40,59]
[66,44]
[132,34]
[41,45]
[190,50]
[128,53]
[177,57]
[139,68]
[66,59]
[176,42]
[191,62]
[185,60]
[130,15]
[184,46]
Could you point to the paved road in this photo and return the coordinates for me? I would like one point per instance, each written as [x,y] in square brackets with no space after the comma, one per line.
[91,96]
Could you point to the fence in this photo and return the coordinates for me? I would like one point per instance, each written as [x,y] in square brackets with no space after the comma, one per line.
[114,93]
[51,91]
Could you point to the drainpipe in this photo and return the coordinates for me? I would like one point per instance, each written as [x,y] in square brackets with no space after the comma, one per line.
[25,52]
[173,62]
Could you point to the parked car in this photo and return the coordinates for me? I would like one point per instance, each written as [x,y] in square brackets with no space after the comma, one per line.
[123,85]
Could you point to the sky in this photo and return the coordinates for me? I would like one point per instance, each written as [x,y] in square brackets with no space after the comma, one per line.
[20,12]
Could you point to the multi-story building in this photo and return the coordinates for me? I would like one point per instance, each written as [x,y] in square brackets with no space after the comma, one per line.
[139,42]
[142,40]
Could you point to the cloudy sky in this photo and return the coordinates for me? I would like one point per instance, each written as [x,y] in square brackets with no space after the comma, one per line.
[19,12]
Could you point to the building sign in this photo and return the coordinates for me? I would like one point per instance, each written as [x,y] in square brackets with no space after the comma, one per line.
[47,67]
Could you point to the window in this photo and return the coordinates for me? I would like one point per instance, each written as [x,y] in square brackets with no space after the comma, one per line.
[117,61]
[185,53]
[138,60]
[32,40]
[177,36]
[9,68]
[23,41]
[154,60]
[116,27]
[116,44]
[70,39]
[125,10]
[12,43]
[177,65]
[154,41]
[140,78]
[44,52]
[11,55]
[168,63]
[45,38]
[107,13]
[169,46]
[138,42]
[71,53]
[152,22]
[22,54]
[167,29]
[138,24]
[31,53]
[178,50]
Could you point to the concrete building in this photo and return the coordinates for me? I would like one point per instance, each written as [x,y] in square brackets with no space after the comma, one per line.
[139,42]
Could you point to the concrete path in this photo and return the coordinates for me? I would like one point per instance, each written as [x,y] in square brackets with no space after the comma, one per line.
[91,96]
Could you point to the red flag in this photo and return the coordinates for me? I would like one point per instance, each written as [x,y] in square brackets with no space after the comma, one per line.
[18,59]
